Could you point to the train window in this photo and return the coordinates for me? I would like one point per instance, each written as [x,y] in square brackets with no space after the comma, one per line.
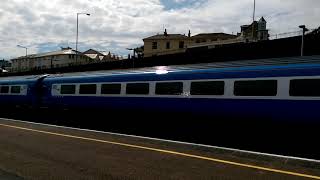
[68,89]
[207,88]
[305,87]
[169,88]
[110,88]
[15,89]
[4,89]
[255,88]
[137,88]
[88,89]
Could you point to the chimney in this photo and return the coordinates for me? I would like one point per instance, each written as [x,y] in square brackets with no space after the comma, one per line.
[189,34]
[165,32]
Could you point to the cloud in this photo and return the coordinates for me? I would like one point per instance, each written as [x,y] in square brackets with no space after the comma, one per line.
[45,25]
[179,1]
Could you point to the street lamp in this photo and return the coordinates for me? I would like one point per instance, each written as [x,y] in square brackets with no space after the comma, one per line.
[253,17]
[134,51]
[26,53]
[134,55]
[78,34]
[304,29]
[25,48]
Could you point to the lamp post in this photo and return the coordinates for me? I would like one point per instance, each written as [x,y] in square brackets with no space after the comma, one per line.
[25,48]
[134,54]
[134,51]
[78,34]
[51,63]
[26,53]
[304,29]
[253,18]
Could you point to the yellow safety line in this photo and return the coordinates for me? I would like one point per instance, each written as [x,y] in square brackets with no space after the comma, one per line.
[170,152]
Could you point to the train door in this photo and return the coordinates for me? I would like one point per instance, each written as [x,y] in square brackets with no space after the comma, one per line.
[39,92]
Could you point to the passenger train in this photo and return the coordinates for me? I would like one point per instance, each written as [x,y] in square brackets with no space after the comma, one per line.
[269,105]
[283,89]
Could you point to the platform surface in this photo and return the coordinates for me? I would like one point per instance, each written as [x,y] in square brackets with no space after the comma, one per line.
[38,151]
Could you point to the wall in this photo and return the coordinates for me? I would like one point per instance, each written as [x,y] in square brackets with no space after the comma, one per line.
[161,49]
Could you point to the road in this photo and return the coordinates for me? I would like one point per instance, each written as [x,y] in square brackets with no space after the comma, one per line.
[37,151]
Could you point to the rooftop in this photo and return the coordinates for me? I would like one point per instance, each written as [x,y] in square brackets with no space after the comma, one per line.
[204,35]
[60,52]
[168,36]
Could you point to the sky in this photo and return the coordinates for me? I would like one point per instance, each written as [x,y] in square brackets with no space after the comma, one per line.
[115,25]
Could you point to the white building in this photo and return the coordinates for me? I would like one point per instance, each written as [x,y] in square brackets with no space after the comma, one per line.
[62,58]
[99,57]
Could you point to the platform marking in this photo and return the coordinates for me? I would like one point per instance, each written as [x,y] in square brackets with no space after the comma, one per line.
[169,152]
[170,141]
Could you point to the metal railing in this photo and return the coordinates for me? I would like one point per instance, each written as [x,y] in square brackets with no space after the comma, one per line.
[288,34]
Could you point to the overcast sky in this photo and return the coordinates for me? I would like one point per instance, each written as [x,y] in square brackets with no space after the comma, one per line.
[114,25]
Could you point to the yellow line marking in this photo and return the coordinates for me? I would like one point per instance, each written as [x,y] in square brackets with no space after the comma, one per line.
[170,152]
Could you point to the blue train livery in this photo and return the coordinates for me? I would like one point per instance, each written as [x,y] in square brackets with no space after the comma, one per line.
[286,89]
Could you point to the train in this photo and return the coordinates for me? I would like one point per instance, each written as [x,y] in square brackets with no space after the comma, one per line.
[287,91]
[276,100]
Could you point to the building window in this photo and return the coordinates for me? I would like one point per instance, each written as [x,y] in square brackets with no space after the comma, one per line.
[169,88]
[305,87]
[71,56]
[110,88]
[207,88]
[68,89]
[4,89]
[88,89]
[15,89]
[137,88]
[168,45]
[197,41]
[181,44]
[255,88]
[154,45]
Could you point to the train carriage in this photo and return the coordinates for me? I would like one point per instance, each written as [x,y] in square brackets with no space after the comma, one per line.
[286,92]
[269,105]
[20,91]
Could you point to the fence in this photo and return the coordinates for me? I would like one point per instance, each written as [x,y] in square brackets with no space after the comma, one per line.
[288,34]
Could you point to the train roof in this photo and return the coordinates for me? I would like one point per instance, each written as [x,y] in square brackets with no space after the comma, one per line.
[261,64]
[30,78]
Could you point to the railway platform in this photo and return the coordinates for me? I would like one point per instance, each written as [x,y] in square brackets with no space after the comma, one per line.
[40,151]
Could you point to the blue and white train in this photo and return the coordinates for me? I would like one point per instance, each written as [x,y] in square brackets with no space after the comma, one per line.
[284,89]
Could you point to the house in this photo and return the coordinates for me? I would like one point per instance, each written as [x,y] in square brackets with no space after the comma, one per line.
[165,43]
[55,59]
[211,37]
[98,57]
[162,44]
[256,31]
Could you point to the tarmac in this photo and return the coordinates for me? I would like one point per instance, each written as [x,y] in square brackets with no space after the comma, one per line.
[39,151]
